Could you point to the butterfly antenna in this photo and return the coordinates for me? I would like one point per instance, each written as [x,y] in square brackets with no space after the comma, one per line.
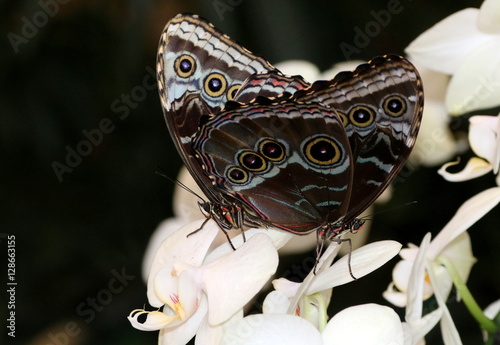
[370,216]
[180,184]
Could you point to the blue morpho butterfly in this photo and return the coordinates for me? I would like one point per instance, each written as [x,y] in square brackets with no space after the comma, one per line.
[273,150]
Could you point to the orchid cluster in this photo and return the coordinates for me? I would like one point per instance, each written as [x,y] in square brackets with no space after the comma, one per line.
[465,46]
[201,288]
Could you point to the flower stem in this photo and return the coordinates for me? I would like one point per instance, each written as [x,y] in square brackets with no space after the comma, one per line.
[469,301]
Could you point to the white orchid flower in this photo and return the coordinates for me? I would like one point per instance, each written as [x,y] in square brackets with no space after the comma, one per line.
[186,210]
[484,139]
[465,45]
[311,73]
[363,324]
[200,293]
[435,141]
[311,298]
[295,313]
[306,69]
[492,312]
[432,268]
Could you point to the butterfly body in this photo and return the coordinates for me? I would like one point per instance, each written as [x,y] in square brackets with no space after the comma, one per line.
[273,150]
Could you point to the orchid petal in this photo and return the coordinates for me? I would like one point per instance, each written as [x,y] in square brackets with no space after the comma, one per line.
[416,288]
[483,136]
[409,253]
[364,324]
[401,274]
[489,17]
[492,310]
[276,302]
[476,82]
[208,334]
[435,142]
[306,69]
[164,230]
[326,259]
[185,201]
[496,159]
[181,334]
[444,282]
[459,251]
[363,261]
[179,247]
[448,329]
[401,278]
[272,329]
[416,283]
[249,267]
[278,237]
[340,67]
[394,296]
[299,244]
[165,287]
[434,82]
[189,290]
[443,47]
[313,308]
[469,213]
[288,287]
[475,167]
[324,263]
[421,327]
[149,320]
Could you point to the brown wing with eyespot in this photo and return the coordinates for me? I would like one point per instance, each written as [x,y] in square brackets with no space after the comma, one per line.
[288,162]
[199,68]
[381,104]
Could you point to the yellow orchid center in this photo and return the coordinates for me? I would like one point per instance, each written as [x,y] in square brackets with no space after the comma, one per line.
[177,306]
[427,279]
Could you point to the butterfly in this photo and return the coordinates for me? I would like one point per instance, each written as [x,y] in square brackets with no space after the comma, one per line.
[273,150]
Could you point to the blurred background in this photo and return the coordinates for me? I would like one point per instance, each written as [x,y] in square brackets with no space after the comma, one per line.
[68,68]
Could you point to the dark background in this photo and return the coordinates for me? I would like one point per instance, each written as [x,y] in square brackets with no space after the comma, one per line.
[71,235]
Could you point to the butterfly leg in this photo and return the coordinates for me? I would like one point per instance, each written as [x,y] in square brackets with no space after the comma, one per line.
[228,238]
[240,220]
[221,227]
[201,227]
[348,240]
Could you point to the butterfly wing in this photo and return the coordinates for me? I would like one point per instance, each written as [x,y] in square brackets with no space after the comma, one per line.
[365,122]
[269,84]
[381,106]
[288,162]
[199,69]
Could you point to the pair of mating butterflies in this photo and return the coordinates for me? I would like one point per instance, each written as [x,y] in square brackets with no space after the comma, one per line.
[273,150]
